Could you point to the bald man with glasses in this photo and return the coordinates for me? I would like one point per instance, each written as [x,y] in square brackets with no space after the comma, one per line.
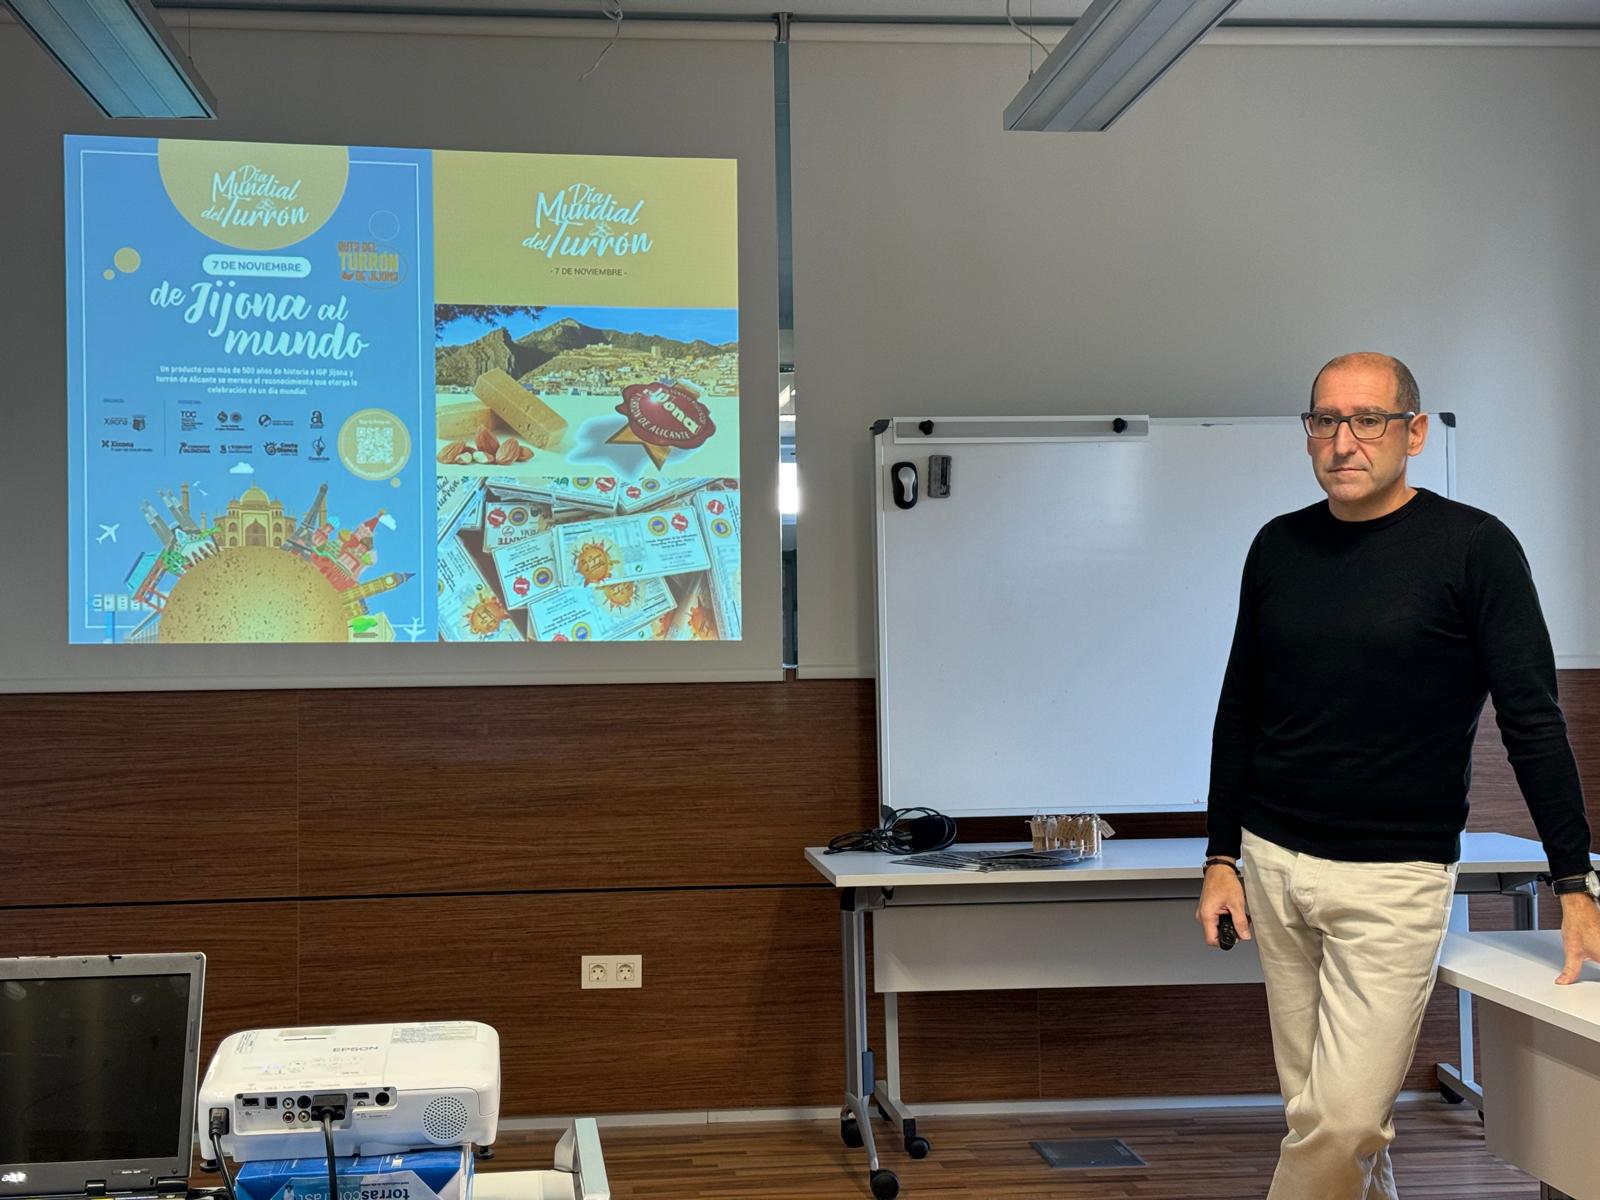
[1371,629]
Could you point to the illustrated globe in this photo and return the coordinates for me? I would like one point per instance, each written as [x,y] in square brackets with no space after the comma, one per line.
[254,594]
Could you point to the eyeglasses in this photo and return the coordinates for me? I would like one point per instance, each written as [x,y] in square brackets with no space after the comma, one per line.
[1368,426]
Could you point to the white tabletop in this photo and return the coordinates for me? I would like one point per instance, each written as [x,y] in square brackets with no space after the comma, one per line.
[522,1185]
[1130,859]
[1518,970]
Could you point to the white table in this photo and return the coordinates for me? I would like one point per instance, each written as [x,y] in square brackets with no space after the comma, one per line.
[579,1174]
[1541,1054]
[524,1185]
[943,930]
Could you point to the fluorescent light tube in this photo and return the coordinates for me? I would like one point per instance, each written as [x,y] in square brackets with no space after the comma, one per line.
[1115,51]
[121,53]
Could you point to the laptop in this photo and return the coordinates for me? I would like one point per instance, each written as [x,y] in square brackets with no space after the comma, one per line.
[97,1074]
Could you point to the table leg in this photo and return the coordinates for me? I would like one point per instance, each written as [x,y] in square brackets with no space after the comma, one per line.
[1525,906]
[1459,1082]
[855,1121]
[886,1093]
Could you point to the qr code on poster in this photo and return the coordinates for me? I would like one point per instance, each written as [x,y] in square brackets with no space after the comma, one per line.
[374,444]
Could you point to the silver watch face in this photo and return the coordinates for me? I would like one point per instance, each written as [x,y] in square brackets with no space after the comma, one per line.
[1591,883]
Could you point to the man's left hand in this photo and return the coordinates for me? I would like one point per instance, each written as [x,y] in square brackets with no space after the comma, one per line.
[1580,934]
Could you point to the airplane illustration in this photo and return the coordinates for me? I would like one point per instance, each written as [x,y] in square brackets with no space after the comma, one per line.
[415,628]
[199,489]
[108,531]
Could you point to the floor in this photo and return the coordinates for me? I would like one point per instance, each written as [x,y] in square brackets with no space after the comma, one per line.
[1210,1155]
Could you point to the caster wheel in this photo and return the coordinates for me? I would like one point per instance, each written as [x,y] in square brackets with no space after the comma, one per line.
[1449,1095]
[917,1147]
[885,1185]
[850,1133]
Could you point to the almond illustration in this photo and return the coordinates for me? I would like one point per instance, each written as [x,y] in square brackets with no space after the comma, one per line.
[524,453]
[487,442]
[452,452]
[508,452]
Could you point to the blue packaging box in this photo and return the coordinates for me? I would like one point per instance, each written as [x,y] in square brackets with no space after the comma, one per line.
[419,1175]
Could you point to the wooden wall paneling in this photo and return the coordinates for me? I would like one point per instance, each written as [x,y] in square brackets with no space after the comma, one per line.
[1106,1042]
[1159,1041]
[1497,802]
[966,1046]
[130,796]
[740,1005]
[1580,700]
[182,796]
[251,979]
[467,789]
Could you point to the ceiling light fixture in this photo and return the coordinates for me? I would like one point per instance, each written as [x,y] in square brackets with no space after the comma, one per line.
[121,53]
[1112,54]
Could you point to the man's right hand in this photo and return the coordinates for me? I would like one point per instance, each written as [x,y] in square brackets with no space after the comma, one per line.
[1221,893]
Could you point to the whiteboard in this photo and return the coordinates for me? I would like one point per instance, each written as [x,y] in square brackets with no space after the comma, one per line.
[1052,637]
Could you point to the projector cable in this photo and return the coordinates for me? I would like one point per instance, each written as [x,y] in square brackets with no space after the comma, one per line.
[325,1115]
[218,1125]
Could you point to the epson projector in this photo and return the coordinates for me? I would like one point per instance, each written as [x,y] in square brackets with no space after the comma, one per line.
[391,1088]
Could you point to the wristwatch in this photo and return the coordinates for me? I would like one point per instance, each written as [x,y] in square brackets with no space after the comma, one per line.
[1573,884]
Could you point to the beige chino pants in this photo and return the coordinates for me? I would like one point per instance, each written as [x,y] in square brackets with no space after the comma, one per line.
[1350,952]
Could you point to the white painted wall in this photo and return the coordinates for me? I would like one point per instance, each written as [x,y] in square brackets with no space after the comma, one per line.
[1263,208]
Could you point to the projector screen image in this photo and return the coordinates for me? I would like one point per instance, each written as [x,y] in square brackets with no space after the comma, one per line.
[352,394]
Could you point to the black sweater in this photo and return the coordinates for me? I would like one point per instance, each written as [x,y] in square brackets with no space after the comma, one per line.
[1360,663]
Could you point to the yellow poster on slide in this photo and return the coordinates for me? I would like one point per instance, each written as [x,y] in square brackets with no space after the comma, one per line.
[531,229]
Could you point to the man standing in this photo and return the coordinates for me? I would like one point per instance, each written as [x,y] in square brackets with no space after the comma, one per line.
[1371,628]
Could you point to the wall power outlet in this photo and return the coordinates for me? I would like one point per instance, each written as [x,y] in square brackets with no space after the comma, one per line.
[611,971]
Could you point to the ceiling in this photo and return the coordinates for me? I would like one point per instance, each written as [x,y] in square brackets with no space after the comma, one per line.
[1450,12]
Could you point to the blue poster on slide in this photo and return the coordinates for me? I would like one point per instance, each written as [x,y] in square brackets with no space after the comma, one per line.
[352,394]
[251,338]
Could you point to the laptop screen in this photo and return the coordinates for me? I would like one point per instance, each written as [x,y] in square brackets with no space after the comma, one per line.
[92,1068]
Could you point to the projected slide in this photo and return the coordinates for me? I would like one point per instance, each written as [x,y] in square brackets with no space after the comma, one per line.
[352,394]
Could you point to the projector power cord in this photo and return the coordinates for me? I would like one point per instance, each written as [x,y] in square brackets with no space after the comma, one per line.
[218,1125]
[325,1115]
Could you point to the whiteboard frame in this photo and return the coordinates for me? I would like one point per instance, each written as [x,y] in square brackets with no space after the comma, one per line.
[886,435]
